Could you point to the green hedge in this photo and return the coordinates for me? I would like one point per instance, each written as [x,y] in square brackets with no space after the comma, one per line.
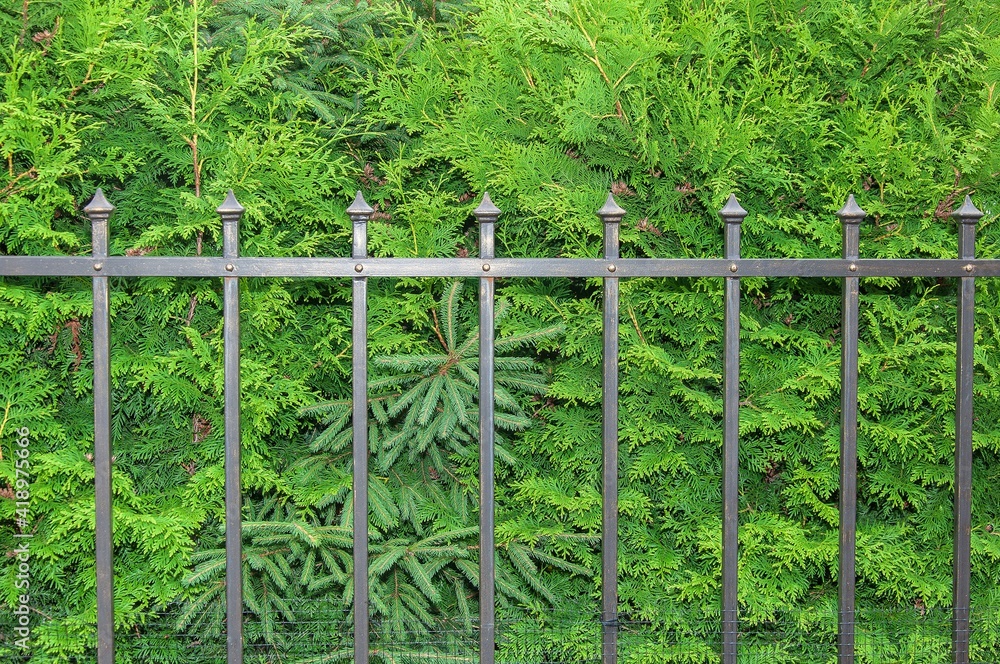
[548,105]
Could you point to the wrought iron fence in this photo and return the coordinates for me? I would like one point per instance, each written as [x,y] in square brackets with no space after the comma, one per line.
[608,630]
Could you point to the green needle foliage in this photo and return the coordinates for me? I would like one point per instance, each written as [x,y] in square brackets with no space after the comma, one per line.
[424,537]
[671,104]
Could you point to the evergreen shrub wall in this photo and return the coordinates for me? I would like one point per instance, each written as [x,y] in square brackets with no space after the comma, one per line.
[670,104]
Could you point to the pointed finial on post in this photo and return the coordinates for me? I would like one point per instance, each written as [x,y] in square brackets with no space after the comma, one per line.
[486,214]
[851,213]
[99,210]
[359,210]
[967,214]
[99,206]
[487,211]
[611,212]
[851,216]
[230,211]
[732,212]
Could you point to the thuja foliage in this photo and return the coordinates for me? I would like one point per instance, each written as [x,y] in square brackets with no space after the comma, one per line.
[791,105]
[166,105]
[672,105]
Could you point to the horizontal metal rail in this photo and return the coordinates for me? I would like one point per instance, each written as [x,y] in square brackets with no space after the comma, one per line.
[200,266]
[487,268]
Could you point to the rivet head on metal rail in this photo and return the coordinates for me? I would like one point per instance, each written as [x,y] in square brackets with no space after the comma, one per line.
[486,267]
[359,268]
[969,268]
[98,267]
[853,267]
[612,267]
[230,267]
[734,268]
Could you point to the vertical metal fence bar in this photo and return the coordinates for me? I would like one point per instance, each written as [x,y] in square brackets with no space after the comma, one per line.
[486,214]
[732,214]
[966,216]
[230,211]
[611,214]
[851,216]
[359,212]
[99,210]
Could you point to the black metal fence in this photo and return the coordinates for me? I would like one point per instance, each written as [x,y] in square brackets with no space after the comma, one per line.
[608,630]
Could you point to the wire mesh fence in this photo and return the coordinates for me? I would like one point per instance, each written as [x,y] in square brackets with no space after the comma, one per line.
[319,632]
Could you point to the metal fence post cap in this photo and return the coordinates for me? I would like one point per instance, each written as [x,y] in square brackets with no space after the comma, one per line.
[851,213]
[230,207]
[967,214]
[732,212]
[611,212]
[486,211]
[359,209]
[98,205]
